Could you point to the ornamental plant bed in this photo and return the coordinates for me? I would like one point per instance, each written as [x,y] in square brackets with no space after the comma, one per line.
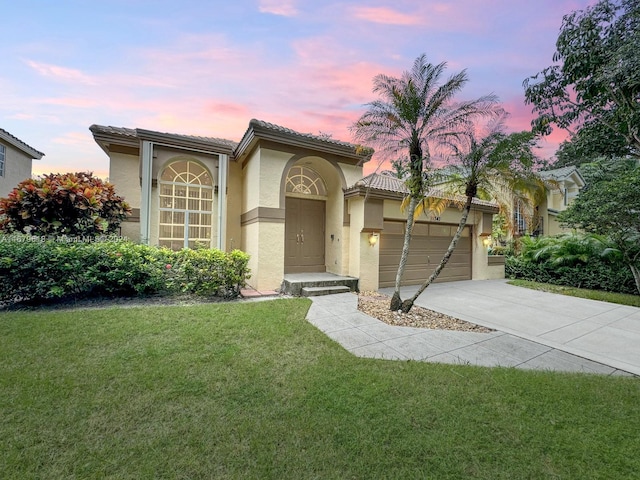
[376,305]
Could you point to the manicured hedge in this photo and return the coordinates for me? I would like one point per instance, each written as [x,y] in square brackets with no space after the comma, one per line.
[35,269]
[595,274]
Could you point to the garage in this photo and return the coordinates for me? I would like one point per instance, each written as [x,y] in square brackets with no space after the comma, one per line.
[429,243]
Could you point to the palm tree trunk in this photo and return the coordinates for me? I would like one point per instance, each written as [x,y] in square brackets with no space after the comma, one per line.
[407,305]
[396,301]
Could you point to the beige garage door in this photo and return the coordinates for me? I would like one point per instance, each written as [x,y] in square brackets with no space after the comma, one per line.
[429,242]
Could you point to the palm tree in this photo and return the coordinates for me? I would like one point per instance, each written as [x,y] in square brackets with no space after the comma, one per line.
[415,113]
[481,167]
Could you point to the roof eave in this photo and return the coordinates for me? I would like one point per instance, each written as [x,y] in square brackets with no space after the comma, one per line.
[181,141]
[256,132]
[374,193]
[106,139]
[20,145]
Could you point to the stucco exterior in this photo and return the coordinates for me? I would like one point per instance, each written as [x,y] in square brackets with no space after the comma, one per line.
[254,184]
[17,161]
[566,185]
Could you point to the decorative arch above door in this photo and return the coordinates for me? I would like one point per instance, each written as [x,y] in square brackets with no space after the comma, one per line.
[304,181]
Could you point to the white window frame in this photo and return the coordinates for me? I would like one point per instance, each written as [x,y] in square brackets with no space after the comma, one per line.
[191,183]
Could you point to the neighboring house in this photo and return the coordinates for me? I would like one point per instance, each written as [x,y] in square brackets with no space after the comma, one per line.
[294,202]
[568,182]
[15,161]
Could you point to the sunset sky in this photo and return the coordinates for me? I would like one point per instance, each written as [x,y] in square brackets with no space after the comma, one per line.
[208,67]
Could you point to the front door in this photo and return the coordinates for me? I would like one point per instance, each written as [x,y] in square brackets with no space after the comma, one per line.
[304,235]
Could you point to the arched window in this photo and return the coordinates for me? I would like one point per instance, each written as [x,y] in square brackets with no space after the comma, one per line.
[302,181]
[186,205]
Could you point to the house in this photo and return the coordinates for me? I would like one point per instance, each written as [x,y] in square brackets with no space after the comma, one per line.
[15,161]
[295,202]
[568,183]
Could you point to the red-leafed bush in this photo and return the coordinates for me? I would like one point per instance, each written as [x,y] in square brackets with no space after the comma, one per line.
[63,204]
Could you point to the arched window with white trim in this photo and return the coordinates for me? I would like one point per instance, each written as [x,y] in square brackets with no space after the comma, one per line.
[186,206]
[305,182]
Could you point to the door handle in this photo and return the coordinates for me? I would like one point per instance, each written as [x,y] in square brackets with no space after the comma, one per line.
[297,238]
[302,237]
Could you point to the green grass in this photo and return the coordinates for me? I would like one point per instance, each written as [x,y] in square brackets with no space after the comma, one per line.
[253,391]
[611,297]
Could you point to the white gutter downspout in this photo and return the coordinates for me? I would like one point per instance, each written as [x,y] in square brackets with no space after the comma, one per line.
[223,169]
[145,201]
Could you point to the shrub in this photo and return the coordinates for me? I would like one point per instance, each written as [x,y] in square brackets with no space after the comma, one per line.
[35,269]
[576,260]
[209,272]
[75,204]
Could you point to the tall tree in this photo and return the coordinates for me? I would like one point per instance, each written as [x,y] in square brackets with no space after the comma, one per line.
[484,166]
[415,113]
[594,89]
[610,205]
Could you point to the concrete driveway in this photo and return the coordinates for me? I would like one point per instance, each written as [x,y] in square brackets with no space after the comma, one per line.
[603,332]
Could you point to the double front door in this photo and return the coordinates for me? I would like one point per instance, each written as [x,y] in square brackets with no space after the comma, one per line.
[304,235]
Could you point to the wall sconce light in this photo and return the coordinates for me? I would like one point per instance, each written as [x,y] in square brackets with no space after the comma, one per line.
[373,239]
[486,241]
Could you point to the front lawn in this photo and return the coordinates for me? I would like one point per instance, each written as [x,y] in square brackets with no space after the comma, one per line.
[252,390]
[611,297]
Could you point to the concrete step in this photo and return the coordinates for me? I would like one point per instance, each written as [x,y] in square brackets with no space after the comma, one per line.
[318,291]
[294,284]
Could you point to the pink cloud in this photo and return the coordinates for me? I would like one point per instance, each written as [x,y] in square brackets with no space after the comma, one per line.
[74,138]
[62,73]
[285,8]
[71,102]
[227,108]
[385,15]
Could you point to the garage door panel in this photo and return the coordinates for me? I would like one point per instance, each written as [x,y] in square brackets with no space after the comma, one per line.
[425,253]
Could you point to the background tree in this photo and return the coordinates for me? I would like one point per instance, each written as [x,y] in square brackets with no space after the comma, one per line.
[610,205]
[415,113]
[594,91]
[481,167]
[63,204]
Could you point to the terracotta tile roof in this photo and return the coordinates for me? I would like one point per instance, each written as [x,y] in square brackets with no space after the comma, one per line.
[16,142]
[388,183]
[288,131]
[137,132]
[558,173]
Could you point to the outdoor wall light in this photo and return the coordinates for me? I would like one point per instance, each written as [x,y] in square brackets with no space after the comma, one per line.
[373,239]
[486,241]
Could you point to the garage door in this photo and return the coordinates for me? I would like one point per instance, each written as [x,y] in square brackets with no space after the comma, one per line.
[429,242]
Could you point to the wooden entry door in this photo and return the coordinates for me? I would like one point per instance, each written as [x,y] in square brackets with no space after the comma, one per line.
[304,235]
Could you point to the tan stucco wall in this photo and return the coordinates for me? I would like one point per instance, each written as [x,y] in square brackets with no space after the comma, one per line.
[553,226]
[480,269]
[364,260]
[234,207]
[17,167]
[392,211]
[124,174]
[263,241]
[262,174]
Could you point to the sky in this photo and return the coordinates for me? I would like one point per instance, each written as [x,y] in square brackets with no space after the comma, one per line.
[201,67]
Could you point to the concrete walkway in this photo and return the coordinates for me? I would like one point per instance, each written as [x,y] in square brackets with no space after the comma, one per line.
[534,330]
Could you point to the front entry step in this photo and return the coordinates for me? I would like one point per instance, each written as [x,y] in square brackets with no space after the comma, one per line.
[314,284]
[318,291]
